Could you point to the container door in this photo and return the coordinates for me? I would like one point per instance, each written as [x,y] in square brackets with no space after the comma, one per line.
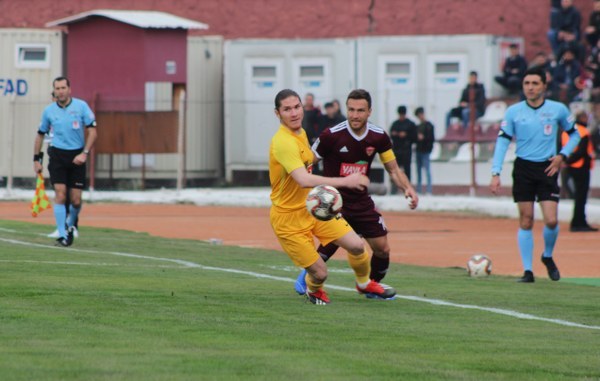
[397,85]
[313,75]
[264,79]
[447,76]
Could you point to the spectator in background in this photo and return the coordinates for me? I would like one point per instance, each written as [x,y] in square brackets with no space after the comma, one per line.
[566,77]
[338,110]
[554,16]
[592,31]
[403,133]
[463,111]
[567,28]
[579,165]
[310,123]
[570,43]
[425,140]
[331,117]
[541,60]
[512,71]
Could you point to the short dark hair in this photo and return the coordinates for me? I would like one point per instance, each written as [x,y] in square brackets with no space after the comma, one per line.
[284,94]
[473,72]
[419,110]
[61,78]
[536,70]
[513,45]
[360,94]
[328,105]
[402,110]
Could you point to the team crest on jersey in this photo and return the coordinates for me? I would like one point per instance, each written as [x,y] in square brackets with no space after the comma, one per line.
[370,151]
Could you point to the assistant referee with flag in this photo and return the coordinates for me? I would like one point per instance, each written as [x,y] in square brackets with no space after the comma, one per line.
[68,118]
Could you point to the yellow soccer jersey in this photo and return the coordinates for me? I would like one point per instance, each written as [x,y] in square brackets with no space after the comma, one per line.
[288,151]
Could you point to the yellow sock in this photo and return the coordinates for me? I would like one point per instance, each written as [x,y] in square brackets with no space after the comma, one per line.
[361,266]
[311,285]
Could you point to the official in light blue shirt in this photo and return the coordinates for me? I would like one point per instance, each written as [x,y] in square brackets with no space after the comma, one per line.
[68,123]
[67,118]
[535,124]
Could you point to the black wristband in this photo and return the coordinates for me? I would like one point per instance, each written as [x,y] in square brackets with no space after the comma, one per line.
[563,155]
[36,157]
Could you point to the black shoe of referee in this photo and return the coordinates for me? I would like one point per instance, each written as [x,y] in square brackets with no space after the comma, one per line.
[64,242]
[553,272]
[527,277]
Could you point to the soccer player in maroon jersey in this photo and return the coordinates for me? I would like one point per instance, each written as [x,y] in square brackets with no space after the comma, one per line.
[350,147]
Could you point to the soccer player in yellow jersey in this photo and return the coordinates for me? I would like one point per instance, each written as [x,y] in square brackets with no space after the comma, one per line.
[290,166]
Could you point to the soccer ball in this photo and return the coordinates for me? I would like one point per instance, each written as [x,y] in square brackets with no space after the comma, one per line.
[479,265]
[324,202]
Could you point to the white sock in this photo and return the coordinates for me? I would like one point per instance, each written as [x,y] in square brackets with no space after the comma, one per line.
[362,286]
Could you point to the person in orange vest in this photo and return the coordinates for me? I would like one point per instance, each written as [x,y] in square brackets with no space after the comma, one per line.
[580,164]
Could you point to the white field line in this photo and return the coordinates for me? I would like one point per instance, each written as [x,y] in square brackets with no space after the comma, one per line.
[437,302]
[95,264]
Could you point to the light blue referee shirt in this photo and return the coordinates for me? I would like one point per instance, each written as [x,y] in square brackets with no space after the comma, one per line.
[535,131]
[67,123]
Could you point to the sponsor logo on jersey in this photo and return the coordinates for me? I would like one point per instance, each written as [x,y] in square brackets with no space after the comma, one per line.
[344,149]
[548,129]
[370,151]
[346,169]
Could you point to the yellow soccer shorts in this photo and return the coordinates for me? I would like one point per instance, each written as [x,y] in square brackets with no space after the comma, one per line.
[295,231]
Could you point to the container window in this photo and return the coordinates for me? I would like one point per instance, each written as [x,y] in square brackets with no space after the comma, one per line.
[447,67]
[397,68]
[32,56]
[312,71]
[263,71]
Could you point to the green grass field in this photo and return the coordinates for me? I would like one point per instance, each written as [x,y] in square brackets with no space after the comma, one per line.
[128,306]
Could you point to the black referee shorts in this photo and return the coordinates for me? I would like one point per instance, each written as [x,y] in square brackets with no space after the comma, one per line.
[530,183]
[63,170]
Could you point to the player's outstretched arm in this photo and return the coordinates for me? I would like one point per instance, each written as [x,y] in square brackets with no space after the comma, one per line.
[355,181]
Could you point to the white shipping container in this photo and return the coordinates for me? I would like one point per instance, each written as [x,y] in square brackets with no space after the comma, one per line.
[29,60]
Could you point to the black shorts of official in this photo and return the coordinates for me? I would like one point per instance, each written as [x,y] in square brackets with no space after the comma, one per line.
[63,170]
[531,183]
[367,224]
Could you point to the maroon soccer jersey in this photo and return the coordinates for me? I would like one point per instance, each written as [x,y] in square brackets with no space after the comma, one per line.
[344,153]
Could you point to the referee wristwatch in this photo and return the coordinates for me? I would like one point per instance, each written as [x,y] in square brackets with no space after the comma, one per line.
[495,174]
[86,151]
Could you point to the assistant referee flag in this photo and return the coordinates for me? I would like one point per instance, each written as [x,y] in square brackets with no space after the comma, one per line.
[40,200]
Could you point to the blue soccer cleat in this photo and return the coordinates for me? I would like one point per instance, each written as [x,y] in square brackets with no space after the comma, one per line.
[300,285]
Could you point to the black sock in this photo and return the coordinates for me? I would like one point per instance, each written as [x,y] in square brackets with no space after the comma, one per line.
[327,252]
[379,267]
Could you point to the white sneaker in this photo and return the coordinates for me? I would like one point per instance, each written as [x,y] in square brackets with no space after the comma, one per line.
[75,232]
[54,234]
